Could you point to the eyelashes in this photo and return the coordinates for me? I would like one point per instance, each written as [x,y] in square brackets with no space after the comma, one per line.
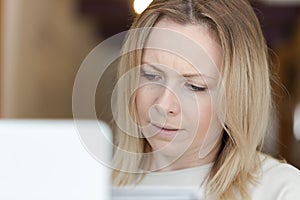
[151,76]
[154,77]
[195,88]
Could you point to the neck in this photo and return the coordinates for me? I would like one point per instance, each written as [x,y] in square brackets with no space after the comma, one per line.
[162,162]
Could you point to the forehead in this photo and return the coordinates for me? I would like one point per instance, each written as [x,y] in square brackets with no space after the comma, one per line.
[170,43]
[163,59]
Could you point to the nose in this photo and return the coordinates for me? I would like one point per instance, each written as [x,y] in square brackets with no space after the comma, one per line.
[167,103]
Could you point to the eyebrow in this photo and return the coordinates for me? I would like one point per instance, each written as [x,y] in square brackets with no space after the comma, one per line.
[197,75]
[152,66]
[184,75]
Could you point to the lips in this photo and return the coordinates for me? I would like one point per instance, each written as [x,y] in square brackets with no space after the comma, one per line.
[168,128]
[165,130]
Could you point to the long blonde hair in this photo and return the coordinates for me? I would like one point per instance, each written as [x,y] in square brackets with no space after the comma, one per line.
[245,75]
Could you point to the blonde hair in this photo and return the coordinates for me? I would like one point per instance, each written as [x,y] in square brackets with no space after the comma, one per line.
[245,75]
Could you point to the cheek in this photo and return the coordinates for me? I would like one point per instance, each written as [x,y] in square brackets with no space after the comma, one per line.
[209,128]
[199,112]
[205,116]
[143,103]
[204,119]
[200,118]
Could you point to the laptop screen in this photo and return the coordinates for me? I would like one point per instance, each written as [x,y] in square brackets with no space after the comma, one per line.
[46,159]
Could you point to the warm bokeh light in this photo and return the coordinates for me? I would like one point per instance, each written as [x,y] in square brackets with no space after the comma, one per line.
[140,5]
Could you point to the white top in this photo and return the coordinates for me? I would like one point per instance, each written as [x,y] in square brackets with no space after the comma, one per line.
[279,181]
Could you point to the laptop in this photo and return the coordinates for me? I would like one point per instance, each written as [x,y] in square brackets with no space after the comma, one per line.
[52,159]
[65,160]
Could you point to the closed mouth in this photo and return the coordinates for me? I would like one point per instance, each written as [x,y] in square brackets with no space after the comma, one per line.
[166,128]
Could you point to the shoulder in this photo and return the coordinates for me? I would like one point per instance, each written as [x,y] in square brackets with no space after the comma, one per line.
[277,180]
[283,171]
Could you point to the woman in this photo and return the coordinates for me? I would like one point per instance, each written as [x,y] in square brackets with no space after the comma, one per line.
[194,101]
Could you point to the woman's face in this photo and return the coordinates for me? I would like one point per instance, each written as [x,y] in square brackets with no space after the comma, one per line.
[176,98]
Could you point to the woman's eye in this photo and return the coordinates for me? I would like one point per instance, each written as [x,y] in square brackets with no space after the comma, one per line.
[195,88]
[151,76]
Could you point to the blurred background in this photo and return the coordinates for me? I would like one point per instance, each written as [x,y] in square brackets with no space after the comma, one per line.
[43,43]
